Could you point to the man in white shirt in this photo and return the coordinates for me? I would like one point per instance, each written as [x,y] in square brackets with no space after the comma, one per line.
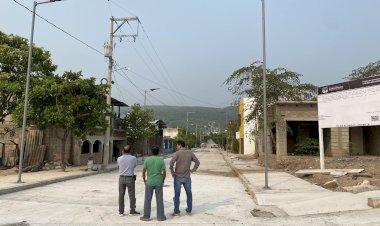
[127,164]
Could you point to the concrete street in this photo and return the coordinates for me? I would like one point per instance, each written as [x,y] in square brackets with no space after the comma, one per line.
[220,198]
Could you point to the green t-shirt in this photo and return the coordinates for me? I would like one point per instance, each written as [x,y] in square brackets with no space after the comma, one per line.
[154,166]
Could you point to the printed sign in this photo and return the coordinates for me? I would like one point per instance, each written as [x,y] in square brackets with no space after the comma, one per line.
[349,104]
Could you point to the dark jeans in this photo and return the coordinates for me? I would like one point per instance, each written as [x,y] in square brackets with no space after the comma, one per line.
[126,182]
[159,201]
[186,182]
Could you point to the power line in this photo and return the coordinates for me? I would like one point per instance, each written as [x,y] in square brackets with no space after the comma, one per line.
[167,79]
[67,33]
[174,91]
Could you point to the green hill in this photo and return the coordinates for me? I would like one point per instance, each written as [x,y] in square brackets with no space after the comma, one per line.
[175,116]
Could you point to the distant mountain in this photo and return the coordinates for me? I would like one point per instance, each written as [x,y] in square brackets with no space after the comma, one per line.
[175,116]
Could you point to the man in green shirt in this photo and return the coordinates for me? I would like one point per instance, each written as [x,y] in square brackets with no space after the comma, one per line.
[156,177]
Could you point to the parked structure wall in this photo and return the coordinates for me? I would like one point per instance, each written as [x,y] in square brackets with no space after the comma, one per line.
[246,140]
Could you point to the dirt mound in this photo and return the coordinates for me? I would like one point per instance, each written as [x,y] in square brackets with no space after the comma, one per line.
[370,164]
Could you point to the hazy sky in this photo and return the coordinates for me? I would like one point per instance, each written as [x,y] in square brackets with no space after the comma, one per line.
[189,47]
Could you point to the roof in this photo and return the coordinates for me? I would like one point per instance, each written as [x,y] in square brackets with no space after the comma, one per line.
[115,102]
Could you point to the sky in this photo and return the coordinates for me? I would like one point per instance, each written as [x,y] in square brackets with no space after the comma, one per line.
[187,49]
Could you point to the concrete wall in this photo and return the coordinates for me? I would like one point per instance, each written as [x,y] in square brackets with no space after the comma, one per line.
[170,132]
[357,142]
[339,142]
[291,111]
[246,142]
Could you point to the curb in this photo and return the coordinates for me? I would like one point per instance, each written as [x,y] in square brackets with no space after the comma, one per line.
[52,181]
[243,179]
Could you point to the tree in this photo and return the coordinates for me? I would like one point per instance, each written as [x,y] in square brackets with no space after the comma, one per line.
[14,52]
[372,69]
[282,85]
[190,139]
[138,124]
[70,102]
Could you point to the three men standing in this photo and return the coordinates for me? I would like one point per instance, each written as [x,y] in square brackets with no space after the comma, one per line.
[127,164]
[181,174]
[154,167]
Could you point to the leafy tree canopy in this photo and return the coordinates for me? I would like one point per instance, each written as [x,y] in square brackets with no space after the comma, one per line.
[372,69]
[282,85]
[14,52]
[68,101]
[138,123]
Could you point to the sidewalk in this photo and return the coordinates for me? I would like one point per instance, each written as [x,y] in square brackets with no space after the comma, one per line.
[292,195]
[8,183]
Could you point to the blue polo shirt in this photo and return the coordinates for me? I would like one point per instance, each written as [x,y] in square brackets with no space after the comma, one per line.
[127,164]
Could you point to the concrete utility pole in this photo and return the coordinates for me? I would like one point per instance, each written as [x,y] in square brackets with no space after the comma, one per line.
[187,120]
[108,142]
[26,102]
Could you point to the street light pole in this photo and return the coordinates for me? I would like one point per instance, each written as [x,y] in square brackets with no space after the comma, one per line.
[265,98]
[150,90]
[145,145]
[26,101]
[187,120]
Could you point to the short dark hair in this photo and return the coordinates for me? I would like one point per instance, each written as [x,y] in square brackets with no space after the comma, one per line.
[127,148]
[181,142]
[155,150]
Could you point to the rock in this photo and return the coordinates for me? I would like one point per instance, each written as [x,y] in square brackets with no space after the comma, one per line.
[365,182]
[360,188]
[374,202]
[331,184]
[338,173]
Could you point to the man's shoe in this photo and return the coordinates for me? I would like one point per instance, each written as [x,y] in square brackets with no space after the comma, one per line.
[176,215]
[144,219]
[188,213]
[121,214]
[164,219]
[133,212]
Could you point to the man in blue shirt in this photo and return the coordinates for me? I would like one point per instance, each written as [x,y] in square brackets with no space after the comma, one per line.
[127,164]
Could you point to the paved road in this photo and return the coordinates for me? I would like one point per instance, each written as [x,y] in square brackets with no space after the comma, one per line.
[219,197]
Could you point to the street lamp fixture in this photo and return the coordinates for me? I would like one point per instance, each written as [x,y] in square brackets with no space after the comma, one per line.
[150,90]
[26,101]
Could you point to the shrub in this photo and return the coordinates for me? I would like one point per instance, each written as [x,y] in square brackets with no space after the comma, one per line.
[309,146]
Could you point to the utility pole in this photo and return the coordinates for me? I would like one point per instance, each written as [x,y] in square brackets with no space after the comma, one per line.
[187,120]
[108,47]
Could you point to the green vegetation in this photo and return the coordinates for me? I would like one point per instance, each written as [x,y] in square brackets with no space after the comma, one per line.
[309,146]
[176,116]
[372,69]
[138,124]
[13,67]
[70,102]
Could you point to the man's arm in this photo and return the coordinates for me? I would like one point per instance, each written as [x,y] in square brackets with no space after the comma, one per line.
[196,161]
[163,175]
[172,161]
[143,174]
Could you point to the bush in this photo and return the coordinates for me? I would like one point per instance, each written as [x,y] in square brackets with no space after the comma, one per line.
[309,146]
[235,147]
